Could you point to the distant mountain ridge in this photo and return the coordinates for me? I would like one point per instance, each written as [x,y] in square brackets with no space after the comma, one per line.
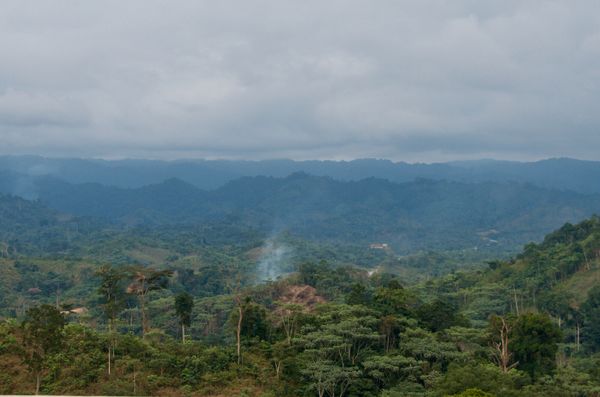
[561,173]
[422,214]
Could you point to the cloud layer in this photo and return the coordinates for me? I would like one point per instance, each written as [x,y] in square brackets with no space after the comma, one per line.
[409,80]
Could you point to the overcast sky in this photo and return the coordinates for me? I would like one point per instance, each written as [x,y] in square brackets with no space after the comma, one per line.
[405,80]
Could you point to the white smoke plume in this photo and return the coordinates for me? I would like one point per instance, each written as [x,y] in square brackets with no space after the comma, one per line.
[274,261]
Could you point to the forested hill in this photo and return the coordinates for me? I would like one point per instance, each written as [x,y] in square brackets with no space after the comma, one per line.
[556,274]
[526,327]
[422,214]
[28,227]
[559,276]
[561,174]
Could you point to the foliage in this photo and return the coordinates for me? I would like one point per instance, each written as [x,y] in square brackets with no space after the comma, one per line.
[42,333]
[535,343]
[184,303]
[337,327]
[591,312]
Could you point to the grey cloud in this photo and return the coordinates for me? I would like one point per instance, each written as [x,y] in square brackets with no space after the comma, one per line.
[412,80]
[26,109]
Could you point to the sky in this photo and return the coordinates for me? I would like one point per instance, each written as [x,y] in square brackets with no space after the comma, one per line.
[417,81]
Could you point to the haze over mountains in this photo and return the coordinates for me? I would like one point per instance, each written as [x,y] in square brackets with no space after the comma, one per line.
[493,205]
[562,173]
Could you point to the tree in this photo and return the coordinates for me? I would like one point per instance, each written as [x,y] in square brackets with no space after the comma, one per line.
[239,303]
[333,345]
[566,381]
[439,315]
[576,318]
[358,295]
[388,369]
[591,317]
[184,303]
[42,335]
[112,301]
[557,304]
[325,376]
[112,293]
[279,352]
[255,324]
[473,393]
[394,300]
[309,273]
[389,328]
[535,343]
[591,248]
[500,330]
[288,315]
[426,347]
[56,283]
[250,321]
[145,280]
[486,377]
[343,333]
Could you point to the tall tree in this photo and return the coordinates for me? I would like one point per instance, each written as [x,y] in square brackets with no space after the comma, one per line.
[112,293]
[500,330]
[288,315]
[239,303]
[112,298]
[358,295]
[42,335]
[343,333]
[145,280]
[439,315]
[250,321]
[591,317]
[328,378]
[389,328]
[535,343]
[184,303]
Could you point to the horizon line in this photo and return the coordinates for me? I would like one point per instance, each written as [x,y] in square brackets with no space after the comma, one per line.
[275,159]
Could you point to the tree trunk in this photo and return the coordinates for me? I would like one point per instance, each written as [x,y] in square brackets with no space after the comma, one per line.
[587,263]
[110,342]
[142,296]
[503,353]
[239,334]
[182,333]
[130,319]
[144,316]
[288,326]
[277,368]
[577,335]
[37,383]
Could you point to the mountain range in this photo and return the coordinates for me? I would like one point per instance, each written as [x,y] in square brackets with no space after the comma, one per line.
[409,216]
[561,173]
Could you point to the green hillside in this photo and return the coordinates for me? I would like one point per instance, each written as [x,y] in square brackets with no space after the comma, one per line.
[410,217]
[344,327]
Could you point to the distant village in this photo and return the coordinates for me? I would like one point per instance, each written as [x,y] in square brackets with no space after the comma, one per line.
[379,246]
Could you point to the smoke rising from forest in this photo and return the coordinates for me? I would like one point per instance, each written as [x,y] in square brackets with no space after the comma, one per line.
[274,260]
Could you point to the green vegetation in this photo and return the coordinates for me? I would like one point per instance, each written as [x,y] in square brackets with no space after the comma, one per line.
[182,312]
[41,336]
[416,215]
